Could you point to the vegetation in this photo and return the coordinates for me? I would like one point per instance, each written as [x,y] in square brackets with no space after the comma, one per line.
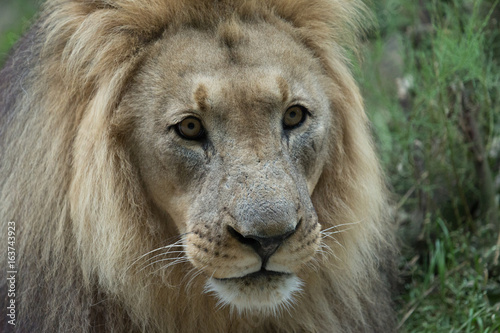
[431,81]
[430,76]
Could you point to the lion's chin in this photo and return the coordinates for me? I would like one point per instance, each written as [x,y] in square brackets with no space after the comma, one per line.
[263,292]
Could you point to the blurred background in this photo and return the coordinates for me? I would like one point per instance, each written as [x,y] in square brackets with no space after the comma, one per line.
[430,76]
[15,18]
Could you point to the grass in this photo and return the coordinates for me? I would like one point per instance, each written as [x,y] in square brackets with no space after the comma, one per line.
[449,289]
[431,81]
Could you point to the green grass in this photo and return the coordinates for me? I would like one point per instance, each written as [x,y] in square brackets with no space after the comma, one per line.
[429,66]
[449,290]
[447,52]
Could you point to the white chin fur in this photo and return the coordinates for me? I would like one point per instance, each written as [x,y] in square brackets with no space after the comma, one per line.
[263,294]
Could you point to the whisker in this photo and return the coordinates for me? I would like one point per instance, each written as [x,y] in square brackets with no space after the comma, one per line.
[161,260]
[328,251]
[200,270]
[342,225]
[192,271]
[330,237]
[179,261]
[178,243]
[163,254]
[329,233]
[157,249]
[336,242]
[175,262]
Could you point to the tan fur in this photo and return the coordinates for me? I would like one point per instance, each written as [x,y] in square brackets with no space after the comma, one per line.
[87,175]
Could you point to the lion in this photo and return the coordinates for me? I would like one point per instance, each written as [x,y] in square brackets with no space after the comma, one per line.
[192,166]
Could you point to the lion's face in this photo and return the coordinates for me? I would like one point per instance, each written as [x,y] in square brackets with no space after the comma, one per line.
[230,138]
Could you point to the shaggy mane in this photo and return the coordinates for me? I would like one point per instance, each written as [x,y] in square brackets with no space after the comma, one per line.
[82,217]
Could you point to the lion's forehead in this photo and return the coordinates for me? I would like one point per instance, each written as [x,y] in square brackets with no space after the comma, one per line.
[262,44]
[257,88]
[266,67]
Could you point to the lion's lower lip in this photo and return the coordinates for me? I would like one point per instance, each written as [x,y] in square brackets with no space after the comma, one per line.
[262,290]
[263,273]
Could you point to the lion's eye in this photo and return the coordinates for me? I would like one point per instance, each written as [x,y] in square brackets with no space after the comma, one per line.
[190,128]
[294,116]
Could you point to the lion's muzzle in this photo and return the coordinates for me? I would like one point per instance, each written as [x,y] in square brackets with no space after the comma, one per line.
[263,246]
[263,233]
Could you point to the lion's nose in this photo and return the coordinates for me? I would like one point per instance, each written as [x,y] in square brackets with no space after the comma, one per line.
[264,246]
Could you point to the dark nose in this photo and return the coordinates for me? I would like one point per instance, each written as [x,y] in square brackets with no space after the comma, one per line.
[264,246]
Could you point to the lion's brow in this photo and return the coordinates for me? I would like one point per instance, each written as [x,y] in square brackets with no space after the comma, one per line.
[201,97]
[283,87]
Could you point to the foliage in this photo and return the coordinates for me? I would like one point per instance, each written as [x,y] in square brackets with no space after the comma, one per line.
[431,80]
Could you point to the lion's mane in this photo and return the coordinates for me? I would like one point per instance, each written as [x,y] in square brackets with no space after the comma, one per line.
[82,216]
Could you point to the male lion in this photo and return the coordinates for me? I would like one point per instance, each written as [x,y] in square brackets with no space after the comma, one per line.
[191,166]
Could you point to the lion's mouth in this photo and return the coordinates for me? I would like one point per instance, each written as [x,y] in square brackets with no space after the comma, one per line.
[263,291]
[258,275]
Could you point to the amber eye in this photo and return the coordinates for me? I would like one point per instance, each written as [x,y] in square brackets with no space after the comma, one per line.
[190,128]
[294,116]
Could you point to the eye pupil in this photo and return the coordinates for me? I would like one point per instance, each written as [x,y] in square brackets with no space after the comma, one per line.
[190,128]
[294,117]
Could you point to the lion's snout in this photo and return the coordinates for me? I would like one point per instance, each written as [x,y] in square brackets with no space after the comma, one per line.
[265,216]
[265,247]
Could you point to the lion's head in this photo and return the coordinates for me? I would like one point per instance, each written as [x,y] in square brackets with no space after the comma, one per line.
[230,137]
[194,158]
